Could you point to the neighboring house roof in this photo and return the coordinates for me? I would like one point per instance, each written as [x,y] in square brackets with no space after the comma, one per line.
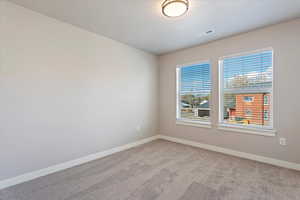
[185,104]
[204,104]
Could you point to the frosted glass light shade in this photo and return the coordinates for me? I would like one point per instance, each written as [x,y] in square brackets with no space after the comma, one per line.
[175,8]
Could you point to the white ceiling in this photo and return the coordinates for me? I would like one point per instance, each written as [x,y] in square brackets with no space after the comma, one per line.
[139,23]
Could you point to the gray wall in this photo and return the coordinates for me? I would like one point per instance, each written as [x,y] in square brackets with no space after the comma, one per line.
[285,40]
[66,93]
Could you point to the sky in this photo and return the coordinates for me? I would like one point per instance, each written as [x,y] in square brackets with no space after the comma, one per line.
[197,78]
[249,65]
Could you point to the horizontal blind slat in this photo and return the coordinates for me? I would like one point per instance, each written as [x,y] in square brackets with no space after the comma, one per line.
[247,83]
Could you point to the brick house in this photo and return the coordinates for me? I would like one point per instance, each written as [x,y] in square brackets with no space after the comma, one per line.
[252,108]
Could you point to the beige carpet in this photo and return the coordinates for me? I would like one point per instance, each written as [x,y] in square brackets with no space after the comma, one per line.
[163,170]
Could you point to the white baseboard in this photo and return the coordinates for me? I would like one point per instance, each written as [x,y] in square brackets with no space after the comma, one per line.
[272,161]
[52,169]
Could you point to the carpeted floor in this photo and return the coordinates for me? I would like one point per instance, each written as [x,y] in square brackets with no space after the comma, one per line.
[163,170]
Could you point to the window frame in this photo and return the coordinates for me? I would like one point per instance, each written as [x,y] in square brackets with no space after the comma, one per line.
[251,97]
[268,115]
[268,103]
[182,121]
[251,129]
[250,111]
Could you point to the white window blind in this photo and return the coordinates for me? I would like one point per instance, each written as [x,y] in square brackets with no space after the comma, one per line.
[193,93]
[246,83]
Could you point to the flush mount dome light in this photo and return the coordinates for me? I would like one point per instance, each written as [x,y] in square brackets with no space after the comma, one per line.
[175,8]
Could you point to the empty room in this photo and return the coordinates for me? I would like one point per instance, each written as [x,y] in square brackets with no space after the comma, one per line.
[149,100]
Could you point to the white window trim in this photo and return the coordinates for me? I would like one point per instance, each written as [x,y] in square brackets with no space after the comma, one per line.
[186,122]
[194,123]
[247,130]
[267,131]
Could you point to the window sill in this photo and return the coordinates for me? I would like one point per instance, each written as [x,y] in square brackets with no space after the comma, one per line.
[254,131]
[192,123]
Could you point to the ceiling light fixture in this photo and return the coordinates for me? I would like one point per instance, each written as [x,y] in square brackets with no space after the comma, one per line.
[175,8]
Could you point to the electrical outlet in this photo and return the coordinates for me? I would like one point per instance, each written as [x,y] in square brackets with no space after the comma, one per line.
[282,141]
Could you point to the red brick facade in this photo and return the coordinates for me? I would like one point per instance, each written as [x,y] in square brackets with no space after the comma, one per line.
[253,108]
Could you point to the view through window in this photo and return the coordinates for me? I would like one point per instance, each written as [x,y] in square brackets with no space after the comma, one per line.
[246,88]
[193,92]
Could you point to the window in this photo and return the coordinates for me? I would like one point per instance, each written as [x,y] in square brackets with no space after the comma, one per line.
[193,93]
[266,115]
[248,99]
[248,112]
[266,100]
[243,79]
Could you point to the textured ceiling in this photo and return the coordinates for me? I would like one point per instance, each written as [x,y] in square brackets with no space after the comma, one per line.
[139,23]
